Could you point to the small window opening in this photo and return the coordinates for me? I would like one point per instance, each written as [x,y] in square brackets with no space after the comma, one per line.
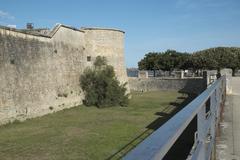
[12,61]
[88,58]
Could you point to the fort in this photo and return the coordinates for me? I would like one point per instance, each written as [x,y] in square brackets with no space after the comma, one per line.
[40,68]
[40,71]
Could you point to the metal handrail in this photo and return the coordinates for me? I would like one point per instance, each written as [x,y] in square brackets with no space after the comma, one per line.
[159,143]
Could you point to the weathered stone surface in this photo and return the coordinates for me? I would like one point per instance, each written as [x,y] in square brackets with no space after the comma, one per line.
[228,139]
[108,43]
[40,74]
[192,86]
[228,73]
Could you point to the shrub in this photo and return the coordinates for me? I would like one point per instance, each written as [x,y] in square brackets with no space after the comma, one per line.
[101,86]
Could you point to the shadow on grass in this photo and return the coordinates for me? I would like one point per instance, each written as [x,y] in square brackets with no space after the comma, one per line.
[164,116]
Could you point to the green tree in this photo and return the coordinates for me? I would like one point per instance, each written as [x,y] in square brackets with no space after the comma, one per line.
[213,58]
[149,62]
[101,87]
[220,57]
[167,60]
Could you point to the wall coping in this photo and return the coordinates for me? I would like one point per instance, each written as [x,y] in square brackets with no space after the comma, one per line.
[164,78]
[55,30]
[98,28]
[50,35]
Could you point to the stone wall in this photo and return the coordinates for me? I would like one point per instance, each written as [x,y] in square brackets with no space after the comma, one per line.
[40,74]
[192,86]
[108,43]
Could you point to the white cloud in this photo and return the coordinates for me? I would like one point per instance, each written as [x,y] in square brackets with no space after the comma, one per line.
[6,15]
[12,25]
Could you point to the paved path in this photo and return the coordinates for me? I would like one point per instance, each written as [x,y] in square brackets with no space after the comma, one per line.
[228,143]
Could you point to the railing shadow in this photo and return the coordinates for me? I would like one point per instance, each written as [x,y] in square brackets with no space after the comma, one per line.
[182,147]
[164,115]
[171,110]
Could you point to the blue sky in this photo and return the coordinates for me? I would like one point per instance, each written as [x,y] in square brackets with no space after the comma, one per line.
[150,25]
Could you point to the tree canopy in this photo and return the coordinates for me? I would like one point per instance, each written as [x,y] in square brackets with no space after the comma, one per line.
[168,60]
[213,58]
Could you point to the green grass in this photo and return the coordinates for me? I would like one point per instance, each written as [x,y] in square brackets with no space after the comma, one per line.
[83,132]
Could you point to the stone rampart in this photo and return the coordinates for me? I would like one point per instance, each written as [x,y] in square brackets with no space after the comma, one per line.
[188,85]
[39,74]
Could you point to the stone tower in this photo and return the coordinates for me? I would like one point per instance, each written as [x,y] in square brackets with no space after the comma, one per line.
[110,44]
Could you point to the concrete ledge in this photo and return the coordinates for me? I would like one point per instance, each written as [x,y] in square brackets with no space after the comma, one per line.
[98,28]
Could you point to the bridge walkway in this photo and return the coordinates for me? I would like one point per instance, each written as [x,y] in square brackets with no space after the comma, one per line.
[228,141]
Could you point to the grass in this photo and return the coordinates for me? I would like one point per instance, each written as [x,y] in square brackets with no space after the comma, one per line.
[85,133]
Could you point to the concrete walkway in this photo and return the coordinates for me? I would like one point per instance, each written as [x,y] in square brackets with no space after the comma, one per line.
[228,141]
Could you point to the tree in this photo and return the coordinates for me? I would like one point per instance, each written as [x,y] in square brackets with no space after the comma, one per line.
[149,62]
[101,87]
[213,58]
[220,57]
[166,61]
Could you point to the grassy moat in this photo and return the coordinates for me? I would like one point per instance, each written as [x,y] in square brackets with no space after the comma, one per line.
[89,133]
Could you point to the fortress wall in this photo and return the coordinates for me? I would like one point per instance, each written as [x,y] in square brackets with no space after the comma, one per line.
[9,32]
[39,75]
[72,37]
[108,43]
[190,86]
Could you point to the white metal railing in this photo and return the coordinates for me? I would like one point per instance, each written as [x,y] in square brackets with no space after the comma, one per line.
[159,143]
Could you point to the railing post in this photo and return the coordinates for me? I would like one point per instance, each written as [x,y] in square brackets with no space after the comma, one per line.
[218,102]
[201,117]
[213,108]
